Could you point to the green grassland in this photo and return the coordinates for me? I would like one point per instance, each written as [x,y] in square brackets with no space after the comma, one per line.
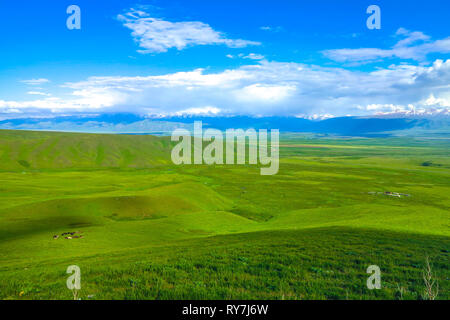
[153,230]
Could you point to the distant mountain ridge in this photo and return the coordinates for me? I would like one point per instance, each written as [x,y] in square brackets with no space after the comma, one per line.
[135,124]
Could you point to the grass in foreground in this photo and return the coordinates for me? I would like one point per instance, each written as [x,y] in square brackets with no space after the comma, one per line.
[323,263]
[156,231]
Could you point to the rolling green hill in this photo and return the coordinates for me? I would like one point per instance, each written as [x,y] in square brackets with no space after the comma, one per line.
[51,150]
[152,230]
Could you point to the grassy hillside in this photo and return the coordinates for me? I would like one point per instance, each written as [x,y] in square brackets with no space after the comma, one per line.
[323,263]
[46,150]
[153,230]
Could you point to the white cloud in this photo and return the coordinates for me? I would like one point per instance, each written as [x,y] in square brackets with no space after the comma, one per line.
[441,102]
[414,45]
[251,56]
[7,110]
[254,56]
[264,93]
[157,35]
[411,37]
[266,88]
[386,108]
[35,82]
[39,93]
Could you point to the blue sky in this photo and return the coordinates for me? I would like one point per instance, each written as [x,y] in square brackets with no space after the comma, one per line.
[312,59]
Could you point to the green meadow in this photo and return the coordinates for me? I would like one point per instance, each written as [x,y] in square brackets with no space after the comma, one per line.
[153,230]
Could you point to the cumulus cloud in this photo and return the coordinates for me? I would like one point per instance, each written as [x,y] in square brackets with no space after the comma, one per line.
[156,35]
[440,102]
[265,88]
[415,45]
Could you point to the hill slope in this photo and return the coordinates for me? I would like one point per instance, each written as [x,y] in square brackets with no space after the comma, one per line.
[21,150]
[189,232]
